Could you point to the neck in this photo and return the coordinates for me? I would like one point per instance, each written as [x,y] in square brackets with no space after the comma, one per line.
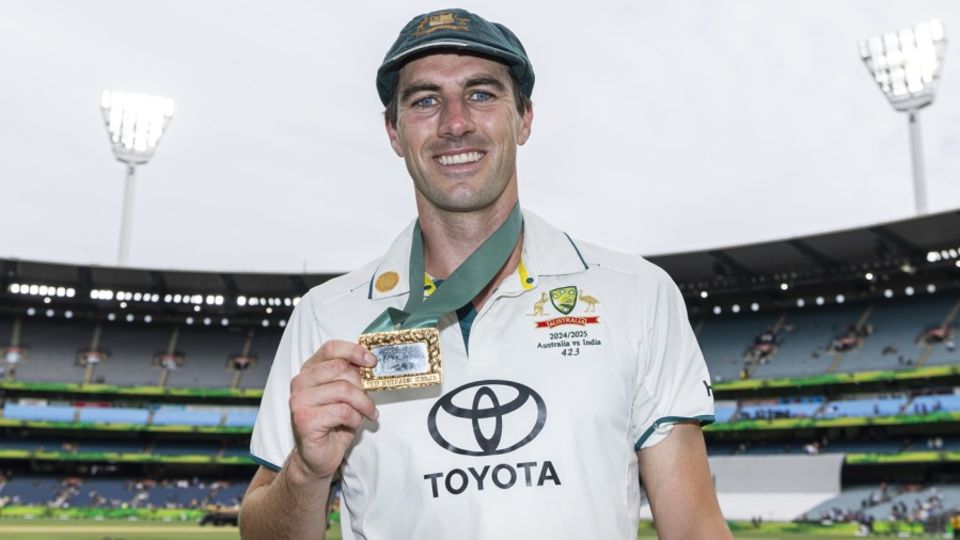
[450,237]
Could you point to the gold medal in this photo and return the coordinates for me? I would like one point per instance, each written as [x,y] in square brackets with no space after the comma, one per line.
[407,358]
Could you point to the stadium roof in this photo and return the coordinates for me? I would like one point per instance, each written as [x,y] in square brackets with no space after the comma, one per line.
[821,258]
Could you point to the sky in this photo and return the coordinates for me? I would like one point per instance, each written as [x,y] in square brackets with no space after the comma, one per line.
[659,127]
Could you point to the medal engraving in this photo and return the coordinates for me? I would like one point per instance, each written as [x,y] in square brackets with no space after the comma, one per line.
[405,359]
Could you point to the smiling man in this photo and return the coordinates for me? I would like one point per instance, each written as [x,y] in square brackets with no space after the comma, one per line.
[547,415]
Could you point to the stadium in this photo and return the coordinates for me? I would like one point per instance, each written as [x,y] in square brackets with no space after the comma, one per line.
[130,394]
[825,301]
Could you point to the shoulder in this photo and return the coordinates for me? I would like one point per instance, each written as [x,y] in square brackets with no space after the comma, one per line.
[602,259]
[341,288]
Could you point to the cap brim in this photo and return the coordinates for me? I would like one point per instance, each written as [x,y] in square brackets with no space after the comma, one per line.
[391,66]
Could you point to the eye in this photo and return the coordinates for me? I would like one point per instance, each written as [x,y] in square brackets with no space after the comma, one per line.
[481,96]
[424,102]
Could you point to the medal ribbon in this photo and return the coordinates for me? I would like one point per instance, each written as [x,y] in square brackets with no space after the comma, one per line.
[462,286]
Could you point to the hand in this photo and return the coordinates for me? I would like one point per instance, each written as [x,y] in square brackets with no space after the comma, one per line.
[328,406]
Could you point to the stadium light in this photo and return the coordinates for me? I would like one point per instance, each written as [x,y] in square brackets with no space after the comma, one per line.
[135,124]
[906,65]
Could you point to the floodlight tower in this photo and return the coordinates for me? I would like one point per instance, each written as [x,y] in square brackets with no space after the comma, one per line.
[135,124]
[906,65]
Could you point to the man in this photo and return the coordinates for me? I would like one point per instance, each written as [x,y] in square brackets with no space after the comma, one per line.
[544,417]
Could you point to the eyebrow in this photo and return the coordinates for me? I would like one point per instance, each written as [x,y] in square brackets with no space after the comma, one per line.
[414,88]
[482,80]
[486,81]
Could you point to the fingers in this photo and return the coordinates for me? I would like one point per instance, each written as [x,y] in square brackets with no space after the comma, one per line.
[353,353]
[329,382]
[334,392]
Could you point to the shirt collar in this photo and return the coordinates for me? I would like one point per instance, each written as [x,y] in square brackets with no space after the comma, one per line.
[547,251]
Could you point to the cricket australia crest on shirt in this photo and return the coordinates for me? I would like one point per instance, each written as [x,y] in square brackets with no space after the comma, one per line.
[570,307]
[565,300]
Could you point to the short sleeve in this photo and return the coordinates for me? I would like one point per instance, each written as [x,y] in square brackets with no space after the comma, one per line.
[272,439]
[673,384]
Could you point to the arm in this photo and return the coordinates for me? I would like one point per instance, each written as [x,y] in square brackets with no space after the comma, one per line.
[677,479]
[327,408]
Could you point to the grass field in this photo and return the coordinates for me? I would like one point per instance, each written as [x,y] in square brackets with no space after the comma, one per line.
[128,530]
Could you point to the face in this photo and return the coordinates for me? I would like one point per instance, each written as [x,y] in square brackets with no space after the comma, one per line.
[458,130]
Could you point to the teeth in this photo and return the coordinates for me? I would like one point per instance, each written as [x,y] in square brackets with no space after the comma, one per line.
[466,157]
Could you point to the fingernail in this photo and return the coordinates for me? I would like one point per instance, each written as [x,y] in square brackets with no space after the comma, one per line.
[370,358]
[376,414]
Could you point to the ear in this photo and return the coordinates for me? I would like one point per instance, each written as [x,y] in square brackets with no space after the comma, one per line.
[394,138]
[526,124]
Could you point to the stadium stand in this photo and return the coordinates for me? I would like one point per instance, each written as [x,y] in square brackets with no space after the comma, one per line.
[865,408]
[50,413]
[934,403]
[804,346]
[53,347]
[263,347]
[239,418]
[119,492]
[113,415]
[779,410]
[897,323]
[174,415]
[205,361]
[132,350]
[186,448]
[725,342]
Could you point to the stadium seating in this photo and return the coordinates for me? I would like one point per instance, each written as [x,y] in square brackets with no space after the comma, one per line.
[724,412]
[51,413]
[725,340]
[804,347]
[167,415]
[263,348]
[848,501]
[121,492]
[206,354]
[779,410]
[178,448]
[241,418]
[53,346]
[863,407]
[897,323]
[946,402]
[132,350]
[113,415]
[120,447]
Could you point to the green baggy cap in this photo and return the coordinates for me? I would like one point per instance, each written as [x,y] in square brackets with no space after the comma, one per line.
[455,30]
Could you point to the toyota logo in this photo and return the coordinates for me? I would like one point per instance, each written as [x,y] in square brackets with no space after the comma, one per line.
[504,416]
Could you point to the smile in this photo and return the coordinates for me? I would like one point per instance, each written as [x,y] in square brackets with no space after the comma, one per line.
[458,159]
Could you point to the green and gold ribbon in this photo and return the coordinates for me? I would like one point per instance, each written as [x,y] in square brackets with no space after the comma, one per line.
[462,286]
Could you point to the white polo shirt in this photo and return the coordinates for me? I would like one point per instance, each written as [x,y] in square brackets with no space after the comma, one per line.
[579,359]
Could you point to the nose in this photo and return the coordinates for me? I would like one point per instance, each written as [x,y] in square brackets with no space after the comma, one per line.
[455,119]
